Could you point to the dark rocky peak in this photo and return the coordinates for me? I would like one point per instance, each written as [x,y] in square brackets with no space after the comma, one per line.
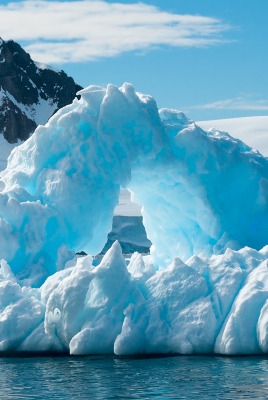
[29,92]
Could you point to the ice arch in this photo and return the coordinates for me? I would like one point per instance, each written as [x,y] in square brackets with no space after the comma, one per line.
[201,191]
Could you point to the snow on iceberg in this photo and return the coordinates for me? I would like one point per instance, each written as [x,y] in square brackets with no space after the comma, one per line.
[204,198]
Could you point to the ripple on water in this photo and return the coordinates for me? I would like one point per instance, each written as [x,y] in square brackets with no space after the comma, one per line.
[104,378]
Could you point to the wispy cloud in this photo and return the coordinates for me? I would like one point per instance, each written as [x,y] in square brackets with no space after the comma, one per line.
[242,103]
[83,30]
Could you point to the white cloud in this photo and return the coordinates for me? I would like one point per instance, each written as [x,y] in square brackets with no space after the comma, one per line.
[83,30]
[242,103]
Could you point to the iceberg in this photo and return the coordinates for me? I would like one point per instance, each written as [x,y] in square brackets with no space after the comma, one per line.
[204,198]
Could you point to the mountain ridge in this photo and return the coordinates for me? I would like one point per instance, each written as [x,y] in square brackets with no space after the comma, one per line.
[29,93]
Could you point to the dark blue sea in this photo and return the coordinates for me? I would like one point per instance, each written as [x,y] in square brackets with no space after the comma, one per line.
[99,377]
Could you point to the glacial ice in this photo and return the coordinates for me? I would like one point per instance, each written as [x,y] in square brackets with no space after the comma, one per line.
[204,198]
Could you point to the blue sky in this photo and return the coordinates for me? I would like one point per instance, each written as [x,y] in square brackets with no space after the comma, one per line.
[208,58]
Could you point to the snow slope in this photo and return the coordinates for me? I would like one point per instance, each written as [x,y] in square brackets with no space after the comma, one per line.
[252,130]
[126,207]
[205,206]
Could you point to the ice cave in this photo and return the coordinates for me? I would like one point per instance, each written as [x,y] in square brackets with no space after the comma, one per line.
[204,197]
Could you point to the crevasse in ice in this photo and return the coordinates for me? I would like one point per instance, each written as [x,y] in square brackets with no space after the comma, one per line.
[205,209]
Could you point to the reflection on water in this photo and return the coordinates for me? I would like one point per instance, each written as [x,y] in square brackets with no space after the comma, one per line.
[155,378]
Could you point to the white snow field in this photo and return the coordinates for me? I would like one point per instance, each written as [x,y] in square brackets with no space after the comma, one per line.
[252,130]
[204,198]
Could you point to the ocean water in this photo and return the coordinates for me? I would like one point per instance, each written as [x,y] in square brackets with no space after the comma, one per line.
[104,378]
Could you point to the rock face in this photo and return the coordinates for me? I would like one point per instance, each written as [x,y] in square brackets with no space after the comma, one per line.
[29,92]
[130,233]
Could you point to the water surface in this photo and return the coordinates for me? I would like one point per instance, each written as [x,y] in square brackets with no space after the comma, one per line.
[114,378]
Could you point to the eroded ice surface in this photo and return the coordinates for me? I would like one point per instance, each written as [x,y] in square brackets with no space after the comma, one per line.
[216,304]
[204,197]
[201,191]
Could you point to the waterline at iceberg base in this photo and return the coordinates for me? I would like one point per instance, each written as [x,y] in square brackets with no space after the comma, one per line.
[203,289]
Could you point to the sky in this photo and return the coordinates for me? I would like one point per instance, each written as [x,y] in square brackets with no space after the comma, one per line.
[208,58]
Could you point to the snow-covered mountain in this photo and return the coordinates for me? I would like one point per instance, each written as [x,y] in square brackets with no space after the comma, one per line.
[29,92]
